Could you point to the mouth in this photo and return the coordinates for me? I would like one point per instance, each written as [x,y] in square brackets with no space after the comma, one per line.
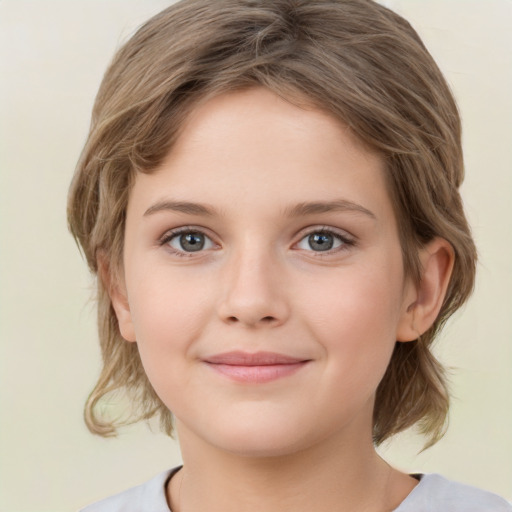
[256,367]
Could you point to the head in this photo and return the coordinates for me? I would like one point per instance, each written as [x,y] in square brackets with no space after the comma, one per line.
[353,60]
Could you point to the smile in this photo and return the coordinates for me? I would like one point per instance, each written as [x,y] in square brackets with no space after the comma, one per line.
[259,367]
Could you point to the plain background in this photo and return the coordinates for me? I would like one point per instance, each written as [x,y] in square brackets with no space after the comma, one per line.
[52,57]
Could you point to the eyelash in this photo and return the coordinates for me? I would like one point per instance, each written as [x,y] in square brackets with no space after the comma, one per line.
[170,235]
[346,241]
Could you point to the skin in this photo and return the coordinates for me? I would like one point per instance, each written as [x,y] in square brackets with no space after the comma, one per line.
[302,441]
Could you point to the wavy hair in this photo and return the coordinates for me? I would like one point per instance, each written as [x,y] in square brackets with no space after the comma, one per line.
[354,59]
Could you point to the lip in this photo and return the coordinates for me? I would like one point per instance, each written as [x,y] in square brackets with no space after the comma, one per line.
[258,367]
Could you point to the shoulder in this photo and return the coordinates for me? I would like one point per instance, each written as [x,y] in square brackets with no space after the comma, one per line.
[148,496]
[435,493]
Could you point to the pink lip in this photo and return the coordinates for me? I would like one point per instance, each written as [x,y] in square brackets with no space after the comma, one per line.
[258,367]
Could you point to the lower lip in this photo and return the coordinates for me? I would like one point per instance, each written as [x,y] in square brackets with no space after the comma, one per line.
[257,374]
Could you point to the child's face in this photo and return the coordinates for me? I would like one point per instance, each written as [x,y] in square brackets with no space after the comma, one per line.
[267,229]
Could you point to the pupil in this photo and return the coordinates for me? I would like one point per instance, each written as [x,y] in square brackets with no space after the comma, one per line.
[321,241]
[192,242]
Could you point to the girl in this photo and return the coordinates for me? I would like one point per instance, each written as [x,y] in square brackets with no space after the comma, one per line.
[269,196]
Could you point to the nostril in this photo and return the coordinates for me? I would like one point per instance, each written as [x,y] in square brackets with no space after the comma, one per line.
[265,319]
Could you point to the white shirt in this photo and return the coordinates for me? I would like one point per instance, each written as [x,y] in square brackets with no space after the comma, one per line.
[433,493]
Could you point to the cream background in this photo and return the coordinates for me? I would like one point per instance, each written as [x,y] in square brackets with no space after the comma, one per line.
[52,56]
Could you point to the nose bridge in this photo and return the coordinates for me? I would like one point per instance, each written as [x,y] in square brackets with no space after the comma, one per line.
[253,293]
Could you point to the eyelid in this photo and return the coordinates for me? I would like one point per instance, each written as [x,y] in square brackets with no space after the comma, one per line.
[170,234]
[346,238]
[324,228]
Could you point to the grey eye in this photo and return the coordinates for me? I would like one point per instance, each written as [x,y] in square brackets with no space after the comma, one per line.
[320,241]
[190,241]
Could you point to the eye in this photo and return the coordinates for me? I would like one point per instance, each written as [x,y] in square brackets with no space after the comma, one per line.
[324,240]
[187,241]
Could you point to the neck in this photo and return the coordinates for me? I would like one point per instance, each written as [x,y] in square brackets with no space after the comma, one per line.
[332,475]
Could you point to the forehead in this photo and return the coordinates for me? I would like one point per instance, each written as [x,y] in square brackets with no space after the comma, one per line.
[254,146]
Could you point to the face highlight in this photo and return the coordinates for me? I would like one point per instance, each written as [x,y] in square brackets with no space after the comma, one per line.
[263,277]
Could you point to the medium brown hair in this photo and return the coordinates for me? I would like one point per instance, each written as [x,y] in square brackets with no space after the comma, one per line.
[354,59]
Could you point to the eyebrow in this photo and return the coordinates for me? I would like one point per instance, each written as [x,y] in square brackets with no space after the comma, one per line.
[298,210]
[339,205]
[182,207]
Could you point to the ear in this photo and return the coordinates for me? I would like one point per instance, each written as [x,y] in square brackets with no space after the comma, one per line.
[423,302]
[116,289]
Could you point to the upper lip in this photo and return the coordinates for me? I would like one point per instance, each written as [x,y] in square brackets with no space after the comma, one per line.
[239,358]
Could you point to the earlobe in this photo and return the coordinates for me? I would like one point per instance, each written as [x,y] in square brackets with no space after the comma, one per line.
[116,290]
[422,303]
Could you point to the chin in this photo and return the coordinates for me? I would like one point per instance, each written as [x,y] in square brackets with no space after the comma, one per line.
[259,439]
[260,446]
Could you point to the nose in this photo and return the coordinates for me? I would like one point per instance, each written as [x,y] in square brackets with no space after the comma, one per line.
[253,292]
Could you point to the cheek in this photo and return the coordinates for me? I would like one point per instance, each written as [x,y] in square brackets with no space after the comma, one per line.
[168,313]
[167,321]
[355,317]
